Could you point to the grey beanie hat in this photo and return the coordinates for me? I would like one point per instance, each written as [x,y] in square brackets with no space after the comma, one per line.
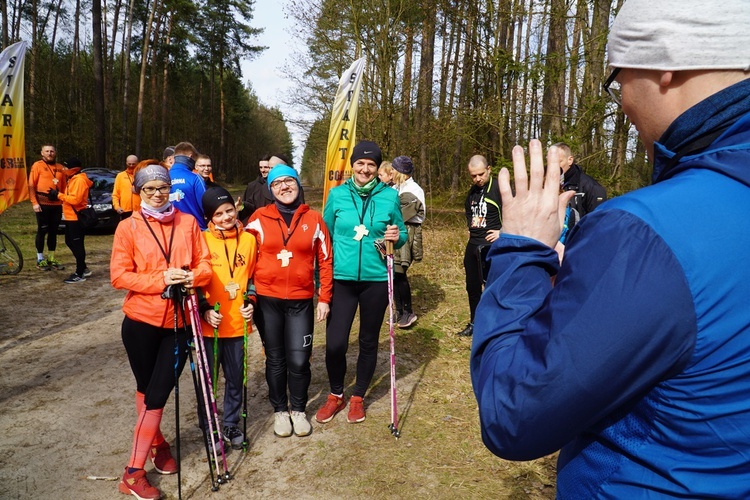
[677,35]
[150,173]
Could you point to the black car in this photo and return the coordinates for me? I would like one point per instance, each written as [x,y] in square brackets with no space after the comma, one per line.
[101,198]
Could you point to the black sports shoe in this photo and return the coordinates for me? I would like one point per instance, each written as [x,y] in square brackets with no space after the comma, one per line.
[468,331]
[74,278]
[233,435]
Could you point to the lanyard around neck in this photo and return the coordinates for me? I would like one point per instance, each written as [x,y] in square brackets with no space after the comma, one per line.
[226,251]
[168,252]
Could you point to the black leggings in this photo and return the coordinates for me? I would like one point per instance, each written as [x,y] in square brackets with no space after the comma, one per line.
[476,267]
[47,222]
[151,352]
[286,329]
[372,299]
[402,292]
[74,234]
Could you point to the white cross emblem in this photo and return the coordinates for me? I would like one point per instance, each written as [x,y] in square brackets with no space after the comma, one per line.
[284,257]
[361,231]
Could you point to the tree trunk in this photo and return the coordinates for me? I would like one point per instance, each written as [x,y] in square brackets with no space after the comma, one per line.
[406,80]
[463,98]
[554,72]
[163,134]
[142,80]
[126,77]
[99,119]
[423,115]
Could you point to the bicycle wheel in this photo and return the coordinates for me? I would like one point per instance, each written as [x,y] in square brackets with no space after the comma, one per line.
[11,260]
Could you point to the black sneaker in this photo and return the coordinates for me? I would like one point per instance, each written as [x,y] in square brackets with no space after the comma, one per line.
[74,278]
[87,272]
[233,435]
[468,331]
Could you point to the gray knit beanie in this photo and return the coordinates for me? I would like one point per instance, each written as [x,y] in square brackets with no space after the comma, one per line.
[676,35]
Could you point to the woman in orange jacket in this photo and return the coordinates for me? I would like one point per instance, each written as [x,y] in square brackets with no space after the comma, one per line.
[74,198]
[157,247]
[292,239]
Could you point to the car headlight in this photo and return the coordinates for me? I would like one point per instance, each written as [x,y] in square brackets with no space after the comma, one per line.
[102,207]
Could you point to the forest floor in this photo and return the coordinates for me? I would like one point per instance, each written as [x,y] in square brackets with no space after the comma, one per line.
[67,410]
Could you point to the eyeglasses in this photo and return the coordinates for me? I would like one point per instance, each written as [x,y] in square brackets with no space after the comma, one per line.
[287,181]
[150,191]
[612,87]
[203,166]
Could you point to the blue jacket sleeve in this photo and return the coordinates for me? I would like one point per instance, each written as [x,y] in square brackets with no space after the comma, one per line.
[549,363]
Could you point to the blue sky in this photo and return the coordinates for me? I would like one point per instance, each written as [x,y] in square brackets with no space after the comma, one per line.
[264,72]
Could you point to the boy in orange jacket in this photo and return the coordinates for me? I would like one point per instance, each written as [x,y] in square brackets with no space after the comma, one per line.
[233,262]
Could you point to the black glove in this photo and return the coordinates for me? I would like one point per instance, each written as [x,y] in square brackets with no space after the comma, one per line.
[52,194]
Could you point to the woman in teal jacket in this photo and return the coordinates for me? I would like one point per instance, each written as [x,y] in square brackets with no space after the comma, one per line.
[357,213]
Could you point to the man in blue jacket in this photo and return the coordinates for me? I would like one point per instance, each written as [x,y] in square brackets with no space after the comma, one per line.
[187,186]
[637,362]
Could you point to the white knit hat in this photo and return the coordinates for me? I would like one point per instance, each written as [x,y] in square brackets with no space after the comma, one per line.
[675,35]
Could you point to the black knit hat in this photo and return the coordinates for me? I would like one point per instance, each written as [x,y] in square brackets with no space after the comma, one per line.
[369,150]
[73,162]
[213,198]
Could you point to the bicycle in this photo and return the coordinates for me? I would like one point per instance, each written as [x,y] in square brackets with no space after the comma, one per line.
[11,259]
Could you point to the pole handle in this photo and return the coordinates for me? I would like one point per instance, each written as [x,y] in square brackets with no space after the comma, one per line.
[388,247]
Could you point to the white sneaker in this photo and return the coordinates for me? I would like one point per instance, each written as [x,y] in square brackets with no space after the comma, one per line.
[301,425]
[282,425]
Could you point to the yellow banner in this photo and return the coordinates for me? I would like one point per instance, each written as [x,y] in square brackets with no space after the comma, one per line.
[343,127]
[12,145]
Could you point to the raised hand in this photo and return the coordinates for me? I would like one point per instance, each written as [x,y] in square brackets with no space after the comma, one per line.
[538,208]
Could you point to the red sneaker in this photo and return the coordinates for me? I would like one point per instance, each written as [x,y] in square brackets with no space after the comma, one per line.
[333,405]
[356,410]
[162,459]
[137,485]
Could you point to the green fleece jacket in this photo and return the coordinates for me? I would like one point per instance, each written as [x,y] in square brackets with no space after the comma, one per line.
[345,210]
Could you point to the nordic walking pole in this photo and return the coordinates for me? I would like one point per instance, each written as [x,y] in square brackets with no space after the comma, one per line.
[215,378]
[198,394]
[176,299]
[394,408]
[244,379]
[203,369]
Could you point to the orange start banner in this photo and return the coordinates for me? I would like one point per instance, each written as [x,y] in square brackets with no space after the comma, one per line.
[12,136]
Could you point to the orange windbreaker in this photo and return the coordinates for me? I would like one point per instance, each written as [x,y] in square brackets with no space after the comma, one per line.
[308,241]
[122,193]
[242,251]
[137,264]
[41,180]
[76,195]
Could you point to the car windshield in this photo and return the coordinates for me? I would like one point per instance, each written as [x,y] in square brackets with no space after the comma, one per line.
[102,182]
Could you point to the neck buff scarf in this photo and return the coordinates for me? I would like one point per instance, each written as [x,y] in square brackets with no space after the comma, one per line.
[365,190]
[163,214]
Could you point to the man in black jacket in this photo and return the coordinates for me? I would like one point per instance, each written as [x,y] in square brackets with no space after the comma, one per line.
[589,193]
[257,194]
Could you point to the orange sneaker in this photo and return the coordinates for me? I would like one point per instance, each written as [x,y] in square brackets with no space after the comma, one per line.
[334,404]
[161,457]
[137,485]
[356,410]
